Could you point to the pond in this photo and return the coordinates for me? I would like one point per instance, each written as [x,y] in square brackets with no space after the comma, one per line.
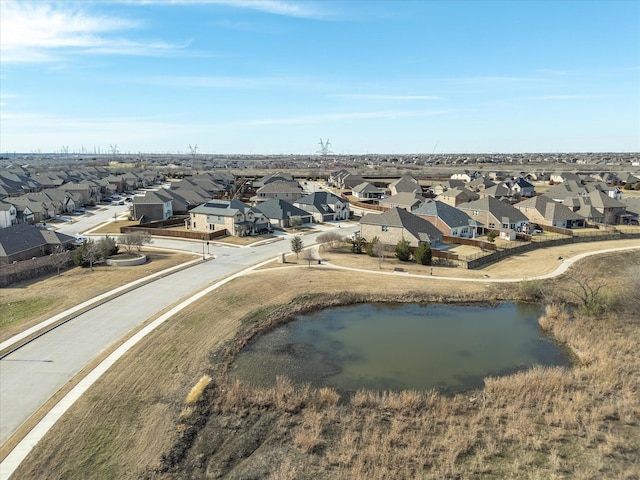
[393,347]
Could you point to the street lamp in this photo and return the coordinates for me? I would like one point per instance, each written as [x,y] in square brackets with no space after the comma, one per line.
[203,247]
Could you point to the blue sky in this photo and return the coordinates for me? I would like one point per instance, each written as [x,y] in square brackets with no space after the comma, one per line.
[272,77]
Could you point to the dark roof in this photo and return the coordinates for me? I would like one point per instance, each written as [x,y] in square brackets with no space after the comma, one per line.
[399,217]
[21,237]
[499,209]
[280,209]
[451,216]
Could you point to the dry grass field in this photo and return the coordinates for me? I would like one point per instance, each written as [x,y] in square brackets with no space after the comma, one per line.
[168,410]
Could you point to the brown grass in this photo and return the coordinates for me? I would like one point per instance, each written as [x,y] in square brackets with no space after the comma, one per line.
[541,423]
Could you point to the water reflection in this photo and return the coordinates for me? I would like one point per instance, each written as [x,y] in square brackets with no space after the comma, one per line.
[406,346]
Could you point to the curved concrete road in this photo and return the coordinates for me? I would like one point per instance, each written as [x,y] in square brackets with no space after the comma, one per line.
[95,330]
[31,375]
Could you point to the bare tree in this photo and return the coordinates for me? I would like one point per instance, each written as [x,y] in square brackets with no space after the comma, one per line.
[60,258]
[134,240]
[308,256]
[333,239]
[585,285]
[92,253]
[380,250]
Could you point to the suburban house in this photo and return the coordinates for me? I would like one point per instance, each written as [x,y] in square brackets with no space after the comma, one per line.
[499,191]
[633,210]
[407,200]
[597,206]
[274,177]
[480,183]
[457,196]
[561,177]
[366,191]
[449,220]
[324,206]
[567,189]
[279,212]
[8,214]
[441,187]
[405,184]
[152,206]
[15,184]
[234,216]
[522,187]
[23,242]
[544,211]
[465,176]
[396,224]
[280,189]
[349,181]
[496,214]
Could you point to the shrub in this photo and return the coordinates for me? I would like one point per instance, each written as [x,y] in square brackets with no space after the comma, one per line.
[371,246]
[530,290]
[423,254]
[403,250]
[198,389]
[491,236]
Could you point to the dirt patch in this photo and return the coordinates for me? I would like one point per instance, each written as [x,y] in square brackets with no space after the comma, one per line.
[135,421]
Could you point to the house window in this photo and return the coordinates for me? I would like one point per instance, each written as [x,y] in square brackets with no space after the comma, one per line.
[505,225]
[385,228]
[475,213]
[492,225]
[194,224]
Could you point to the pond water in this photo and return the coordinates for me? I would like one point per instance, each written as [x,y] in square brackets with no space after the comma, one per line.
[394,347]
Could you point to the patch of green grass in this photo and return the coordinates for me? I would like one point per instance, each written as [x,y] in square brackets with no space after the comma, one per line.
[233,299]
[15,312]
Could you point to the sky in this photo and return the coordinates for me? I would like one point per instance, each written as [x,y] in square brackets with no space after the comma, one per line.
[265,77]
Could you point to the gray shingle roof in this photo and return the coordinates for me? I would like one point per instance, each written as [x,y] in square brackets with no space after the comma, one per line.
[277,208]
[398,217]
[451,216]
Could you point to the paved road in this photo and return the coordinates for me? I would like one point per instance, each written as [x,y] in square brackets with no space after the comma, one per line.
[31,375]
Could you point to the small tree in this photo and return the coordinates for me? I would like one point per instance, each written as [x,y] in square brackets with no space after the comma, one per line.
[60,258]
[87,254]
[371,246]
[295,221]
[491,236]
[380,250]
[134,240]
[356,244]
[296,245]
[107,246]
[308,256]
[586,286]
[403,250]
[423,254]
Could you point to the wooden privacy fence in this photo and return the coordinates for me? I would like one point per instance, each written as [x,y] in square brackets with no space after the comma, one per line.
[165,232]
[470,242]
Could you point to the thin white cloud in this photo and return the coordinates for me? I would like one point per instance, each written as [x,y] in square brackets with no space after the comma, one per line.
[571,97]
[230,82]
[364,96]
[40,32]
[386,114]
[307,9]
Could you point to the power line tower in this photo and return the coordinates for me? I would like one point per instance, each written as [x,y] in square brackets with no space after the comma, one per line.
[324,148]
